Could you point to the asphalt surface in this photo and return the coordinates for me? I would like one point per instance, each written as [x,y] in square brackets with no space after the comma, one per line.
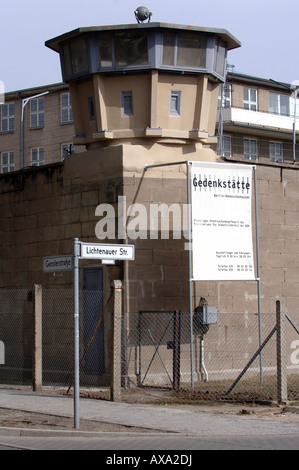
[143,427]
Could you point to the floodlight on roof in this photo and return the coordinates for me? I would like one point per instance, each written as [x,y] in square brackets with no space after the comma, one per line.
[142,14]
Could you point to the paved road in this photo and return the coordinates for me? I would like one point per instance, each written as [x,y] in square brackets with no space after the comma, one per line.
[181,445]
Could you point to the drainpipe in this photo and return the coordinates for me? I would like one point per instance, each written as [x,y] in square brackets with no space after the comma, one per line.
[23,104]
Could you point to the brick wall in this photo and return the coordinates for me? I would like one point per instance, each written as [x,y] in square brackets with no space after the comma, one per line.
[51,136]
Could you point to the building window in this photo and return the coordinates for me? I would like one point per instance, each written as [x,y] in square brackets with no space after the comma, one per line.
[220,57]
[250,149]
[91,112]
[126,103]
[276,152]
[279,104]
[225,92]
[175,103]
[37,156]
[75,56]
[66,108]
[8,117]
[105,50]
[227,150]
[37,112]
[250,99]
[7,162]
[130,48]
[184,49]
[224,146]
[67,149]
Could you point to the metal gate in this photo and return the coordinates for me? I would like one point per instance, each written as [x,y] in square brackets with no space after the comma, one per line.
[159,343]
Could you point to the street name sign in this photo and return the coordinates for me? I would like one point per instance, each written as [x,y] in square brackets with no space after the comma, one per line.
[52,264]
[107,251]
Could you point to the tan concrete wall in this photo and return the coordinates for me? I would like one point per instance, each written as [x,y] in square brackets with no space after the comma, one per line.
[151,98]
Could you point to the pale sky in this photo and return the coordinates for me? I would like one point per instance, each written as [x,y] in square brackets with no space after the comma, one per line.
[267,29]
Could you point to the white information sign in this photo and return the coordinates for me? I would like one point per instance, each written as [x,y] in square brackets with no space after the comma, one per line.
[222,245]
[107,251]
[53,264]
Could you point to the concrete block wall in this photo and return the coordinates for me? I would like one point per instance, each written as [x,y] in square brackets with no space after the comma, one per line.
[43,209]
[41,213]
[165,262]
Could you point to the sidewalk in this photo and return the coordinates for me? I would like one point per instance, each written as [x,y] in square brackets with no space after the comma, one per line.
[105,416]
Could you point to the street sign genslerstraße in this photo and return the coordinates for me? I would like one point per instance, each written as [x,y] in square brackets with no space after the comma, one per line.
[52,264]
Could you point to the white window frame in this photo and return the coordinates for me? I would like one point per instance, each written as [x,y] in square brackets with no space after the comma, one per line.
[37,115]
[9,165]
[227,146]
[278,104]
[250,102]
[250,153]
[66,110]
[292,106]
[8,117]
[37,156]
[277,155]
[67,149]
[226,90]
[224,146]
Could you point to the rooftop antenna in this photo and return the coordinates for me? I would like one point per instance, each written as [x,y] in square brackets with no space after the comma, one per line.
[142,14]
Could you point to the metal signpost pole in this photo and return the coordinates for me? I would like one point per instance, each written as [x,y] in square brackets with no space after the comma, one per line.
[76,334]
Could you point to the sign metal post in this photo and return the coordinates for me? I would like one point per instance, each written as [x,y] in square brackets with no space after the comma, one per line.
[76,334]
[108,254]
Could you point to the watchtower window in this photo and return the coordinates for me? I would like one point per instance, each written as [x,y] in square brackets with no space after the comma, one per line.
[184,49]
[220,57]
[126,103]
[175,103]
[79,55]
[130,49]
[91,112]
[191,50]
[169,42]
[105,50]
[75,56]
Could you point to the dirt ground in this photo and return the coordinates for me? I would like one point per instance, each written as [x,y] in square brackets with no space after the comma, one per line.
[23,419]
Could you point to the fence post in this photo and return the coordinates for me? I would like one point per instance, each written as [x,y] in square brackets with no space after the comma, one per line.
[176,349]
[282,391]
[115,387]
[37,378]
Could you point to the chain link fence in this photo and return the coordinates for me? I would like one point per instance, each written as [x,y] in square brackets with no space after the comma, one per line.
[162,350]
[225,361]
[58,342]
[16,336]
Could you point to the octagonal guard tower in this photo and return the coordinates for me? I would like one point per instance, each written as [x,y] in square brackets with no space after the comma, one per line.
[153,82]
[142,94]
